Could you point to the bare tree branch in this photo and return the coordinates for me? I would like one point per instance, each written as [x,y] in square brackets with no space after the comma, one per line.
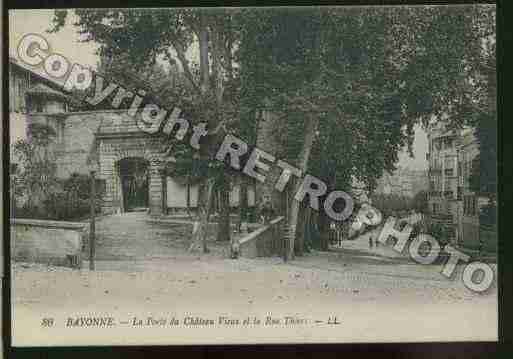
[203,50]
[180,52]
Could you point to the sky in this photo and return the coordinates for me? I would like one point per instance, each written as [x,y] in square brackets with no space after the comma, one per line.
[66,42]
[420,148]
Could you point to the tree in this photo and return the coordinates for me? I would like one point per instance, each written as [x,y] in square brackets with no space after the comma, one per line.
[36,178]
[420,202]
[363,77]
[141,37]
[346,86]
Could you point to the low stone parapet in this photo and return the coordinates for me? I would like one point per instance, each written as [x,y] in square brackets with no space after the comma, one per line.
[52,242]
[266,241]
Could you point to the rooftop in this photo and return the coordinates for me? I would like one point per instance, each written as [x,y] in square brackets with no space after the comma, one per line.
[42,89]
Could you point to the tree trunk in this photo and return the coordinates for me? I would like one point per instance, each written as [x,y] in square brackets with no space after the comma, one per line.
[304,155]
[223,185]
[201,224]
[324,231]
[188,200]
[302,230]
[267,141]
[243,203]
[203,50]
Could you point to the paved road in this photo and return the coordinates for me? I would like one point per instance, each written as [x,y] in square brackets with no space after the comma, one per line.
[377,297]
[404,305]
[378,251]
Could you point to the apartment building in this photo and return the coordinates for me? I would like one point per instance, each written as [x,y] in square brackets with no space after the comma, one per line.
[403,182]
[469,223]
[445,190]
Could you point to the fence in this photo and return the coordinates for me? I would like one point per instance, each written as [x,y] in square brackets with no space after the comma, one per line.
[266,241]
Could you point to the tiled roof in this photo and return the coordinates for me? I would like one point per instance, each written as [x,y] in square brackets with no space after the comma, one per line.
[42,89]
[36,71]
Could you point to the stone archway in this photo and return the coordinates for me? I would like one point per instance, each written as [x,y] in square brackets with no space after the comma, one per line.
[118,150]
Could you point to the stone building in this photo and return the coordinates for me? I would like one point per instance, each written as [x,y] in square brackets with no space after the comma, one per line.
[24,81]
[133,167]
[444,196]
[452,203]
[403,182]
[471,228]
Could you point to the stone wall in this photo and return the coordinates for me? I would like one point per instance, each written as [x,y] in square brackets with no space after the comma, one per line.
[76,135]
[78,141]
[50,242]
[75,138]
[103,138]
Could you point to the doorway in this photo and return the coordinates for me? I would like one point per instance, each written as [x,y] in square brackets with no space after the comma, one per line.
[134,178]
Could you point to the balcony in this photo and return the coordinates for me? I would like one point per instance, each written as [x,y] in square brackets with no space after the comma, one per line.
[442,218]
[449,172]
[449,194]
[435,194]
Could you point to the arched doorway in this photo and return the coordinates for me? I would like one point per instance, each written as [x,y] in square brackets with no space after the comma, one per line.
[134,178]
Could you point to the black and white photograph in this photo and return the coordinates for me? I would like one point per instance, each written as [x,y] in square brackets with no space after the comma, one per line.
[252,175]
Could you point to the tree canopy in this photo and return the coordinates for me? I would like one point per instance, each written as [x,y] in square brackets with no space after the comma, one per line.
[347,84]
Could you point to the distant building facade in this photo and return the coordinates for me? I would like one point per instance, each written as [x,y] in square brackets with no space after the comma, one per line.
[472,203]
[403,182]
[444,195]
[452,203]
[23,83]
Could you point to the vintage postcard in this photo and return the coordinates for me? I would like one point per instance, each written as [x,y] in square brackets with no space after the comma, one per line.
[252,175]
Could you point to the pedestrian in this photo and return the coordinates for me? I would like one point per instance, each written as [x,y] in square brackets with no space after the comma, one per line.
[370,241]
[266,210]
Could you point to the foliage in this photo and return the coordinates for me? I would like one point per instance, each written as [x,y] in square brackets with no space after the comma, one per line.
[391,204]
[37,189]
[140,37]
[488,215]
[368,73]
[440,232]
[36,178]
[347,84]
[379,71]
[420,202]
[69,200]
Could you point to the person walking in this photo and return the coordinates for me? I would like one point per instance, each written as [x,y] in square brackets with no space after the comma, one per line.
[267,210]
[370,241]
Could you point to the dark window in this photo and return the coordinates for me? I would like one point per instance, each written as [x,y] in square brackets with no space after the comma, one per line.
[13,168]
[101,186]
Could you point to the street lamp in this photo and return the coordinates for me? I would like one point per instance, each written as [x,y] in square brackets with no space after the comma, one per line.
[92,171]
